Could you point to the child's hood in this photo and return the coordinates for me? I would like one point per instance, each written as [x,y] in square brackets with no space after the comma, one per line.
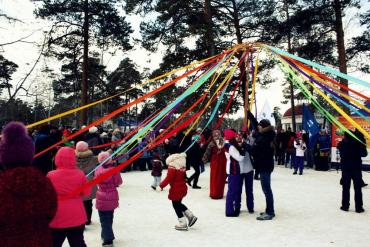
[65,158]
[178,161]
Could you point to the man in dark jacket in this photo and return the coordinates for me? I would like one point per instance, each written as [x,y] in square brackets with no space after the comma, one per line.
[279,150]
[351,151]
[43,141]
[263,154]
[194,158]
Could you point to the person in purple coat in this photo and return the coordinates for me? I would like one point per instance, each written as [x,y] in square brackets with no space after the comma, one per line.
[107,198]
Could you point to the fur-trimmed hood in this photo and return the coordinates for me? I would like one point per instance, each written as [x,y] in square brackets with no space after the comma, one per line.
[177,161]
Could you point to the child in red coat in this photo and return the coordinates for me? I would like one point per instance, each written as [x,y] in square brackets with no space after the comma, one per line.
[176,178]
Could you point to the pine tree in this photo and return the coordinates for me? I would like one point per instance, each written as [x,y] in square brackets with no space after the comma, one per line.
[80,24]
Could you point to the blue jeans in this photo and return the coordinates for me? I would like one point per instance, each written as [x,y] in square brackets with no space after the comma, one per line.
[299,163]
[266,187]
[106,222]
[233,196]
[248,181]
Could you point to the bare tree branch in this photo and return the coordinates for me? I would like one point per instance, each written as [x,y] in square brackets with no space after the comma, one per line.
[9,18]
[21,82]
[21,39]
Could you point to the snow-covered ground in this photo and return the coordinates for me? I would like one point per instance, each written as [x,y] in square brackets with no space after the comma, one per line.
[307,214]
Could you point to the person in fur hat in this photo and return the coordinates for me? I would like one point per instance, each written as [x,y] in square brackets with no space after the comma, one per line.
[28,199]
[69,221]
[86,162]
[93,139]
[176,179]
[107,198]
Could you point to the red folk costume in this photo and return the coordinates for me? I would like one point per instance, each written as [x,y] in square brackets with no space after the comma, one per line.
[215,153]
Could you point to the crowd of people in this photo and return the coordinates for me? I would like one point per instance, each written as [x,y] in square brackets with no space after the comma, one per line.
[48,194]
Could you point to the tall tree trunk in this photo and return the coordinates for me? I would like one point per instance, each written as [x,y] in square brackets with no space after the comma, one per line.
[294,125]
[84,84]
[209,39]
[236,23]
[340,45]
[211,47]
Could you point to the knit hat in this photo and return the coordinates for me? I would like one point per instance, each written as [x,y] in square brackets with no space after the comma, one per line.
[229,134]
[264,123]
[16,147]
[93,130]
[82,146]
[65,158]
[103,156]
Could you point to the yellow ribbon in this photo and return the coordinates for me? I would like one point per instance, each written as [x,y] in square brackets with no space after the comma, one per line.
[254,81]
[110,97]
[335,106]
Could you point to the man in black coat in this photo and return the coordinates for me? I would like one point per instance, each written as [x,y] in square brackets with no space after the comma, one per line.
[351,151]
[263,155]
[43,141]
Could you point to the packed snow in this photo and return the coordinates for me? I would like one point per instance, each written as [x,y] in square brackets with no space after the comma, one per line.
[306,207]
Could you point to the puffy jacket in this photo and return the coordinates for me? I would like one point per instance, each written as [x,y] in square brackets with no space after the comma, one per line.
[107,194]
[233,159]
[28,204]
[87,161]
[157,168]
[263,151]
[65,179]
[176,174]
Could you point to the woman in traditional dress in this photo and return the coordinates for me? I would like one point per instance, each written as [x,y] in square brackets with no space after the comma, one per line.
[215,153]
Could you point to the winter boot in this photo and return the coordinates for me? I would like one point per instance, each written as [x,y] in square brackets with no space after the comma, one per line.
[182,226]
[191,218]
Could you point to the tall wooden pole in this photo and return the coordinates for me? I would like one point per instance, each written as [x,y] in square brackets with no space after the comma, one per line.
[85,70]
[294,125]
[340,45]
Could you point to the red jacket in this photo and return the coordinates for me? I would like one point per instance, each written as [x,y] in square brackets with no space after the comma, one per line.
[176,179]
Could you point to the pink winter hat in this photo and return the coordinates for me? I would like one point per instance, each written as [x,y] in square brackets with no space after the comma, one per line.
[65,158]
[229,134]
[103,156]
[16,147]
[82,146]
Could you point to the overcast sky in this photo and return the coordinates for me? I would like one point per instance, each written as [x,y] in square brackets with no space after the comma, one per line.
[24,54]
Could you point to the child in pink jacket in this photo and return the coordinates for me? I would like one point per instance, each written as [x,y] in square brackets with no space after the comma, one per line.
[107,198]
[69,221]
